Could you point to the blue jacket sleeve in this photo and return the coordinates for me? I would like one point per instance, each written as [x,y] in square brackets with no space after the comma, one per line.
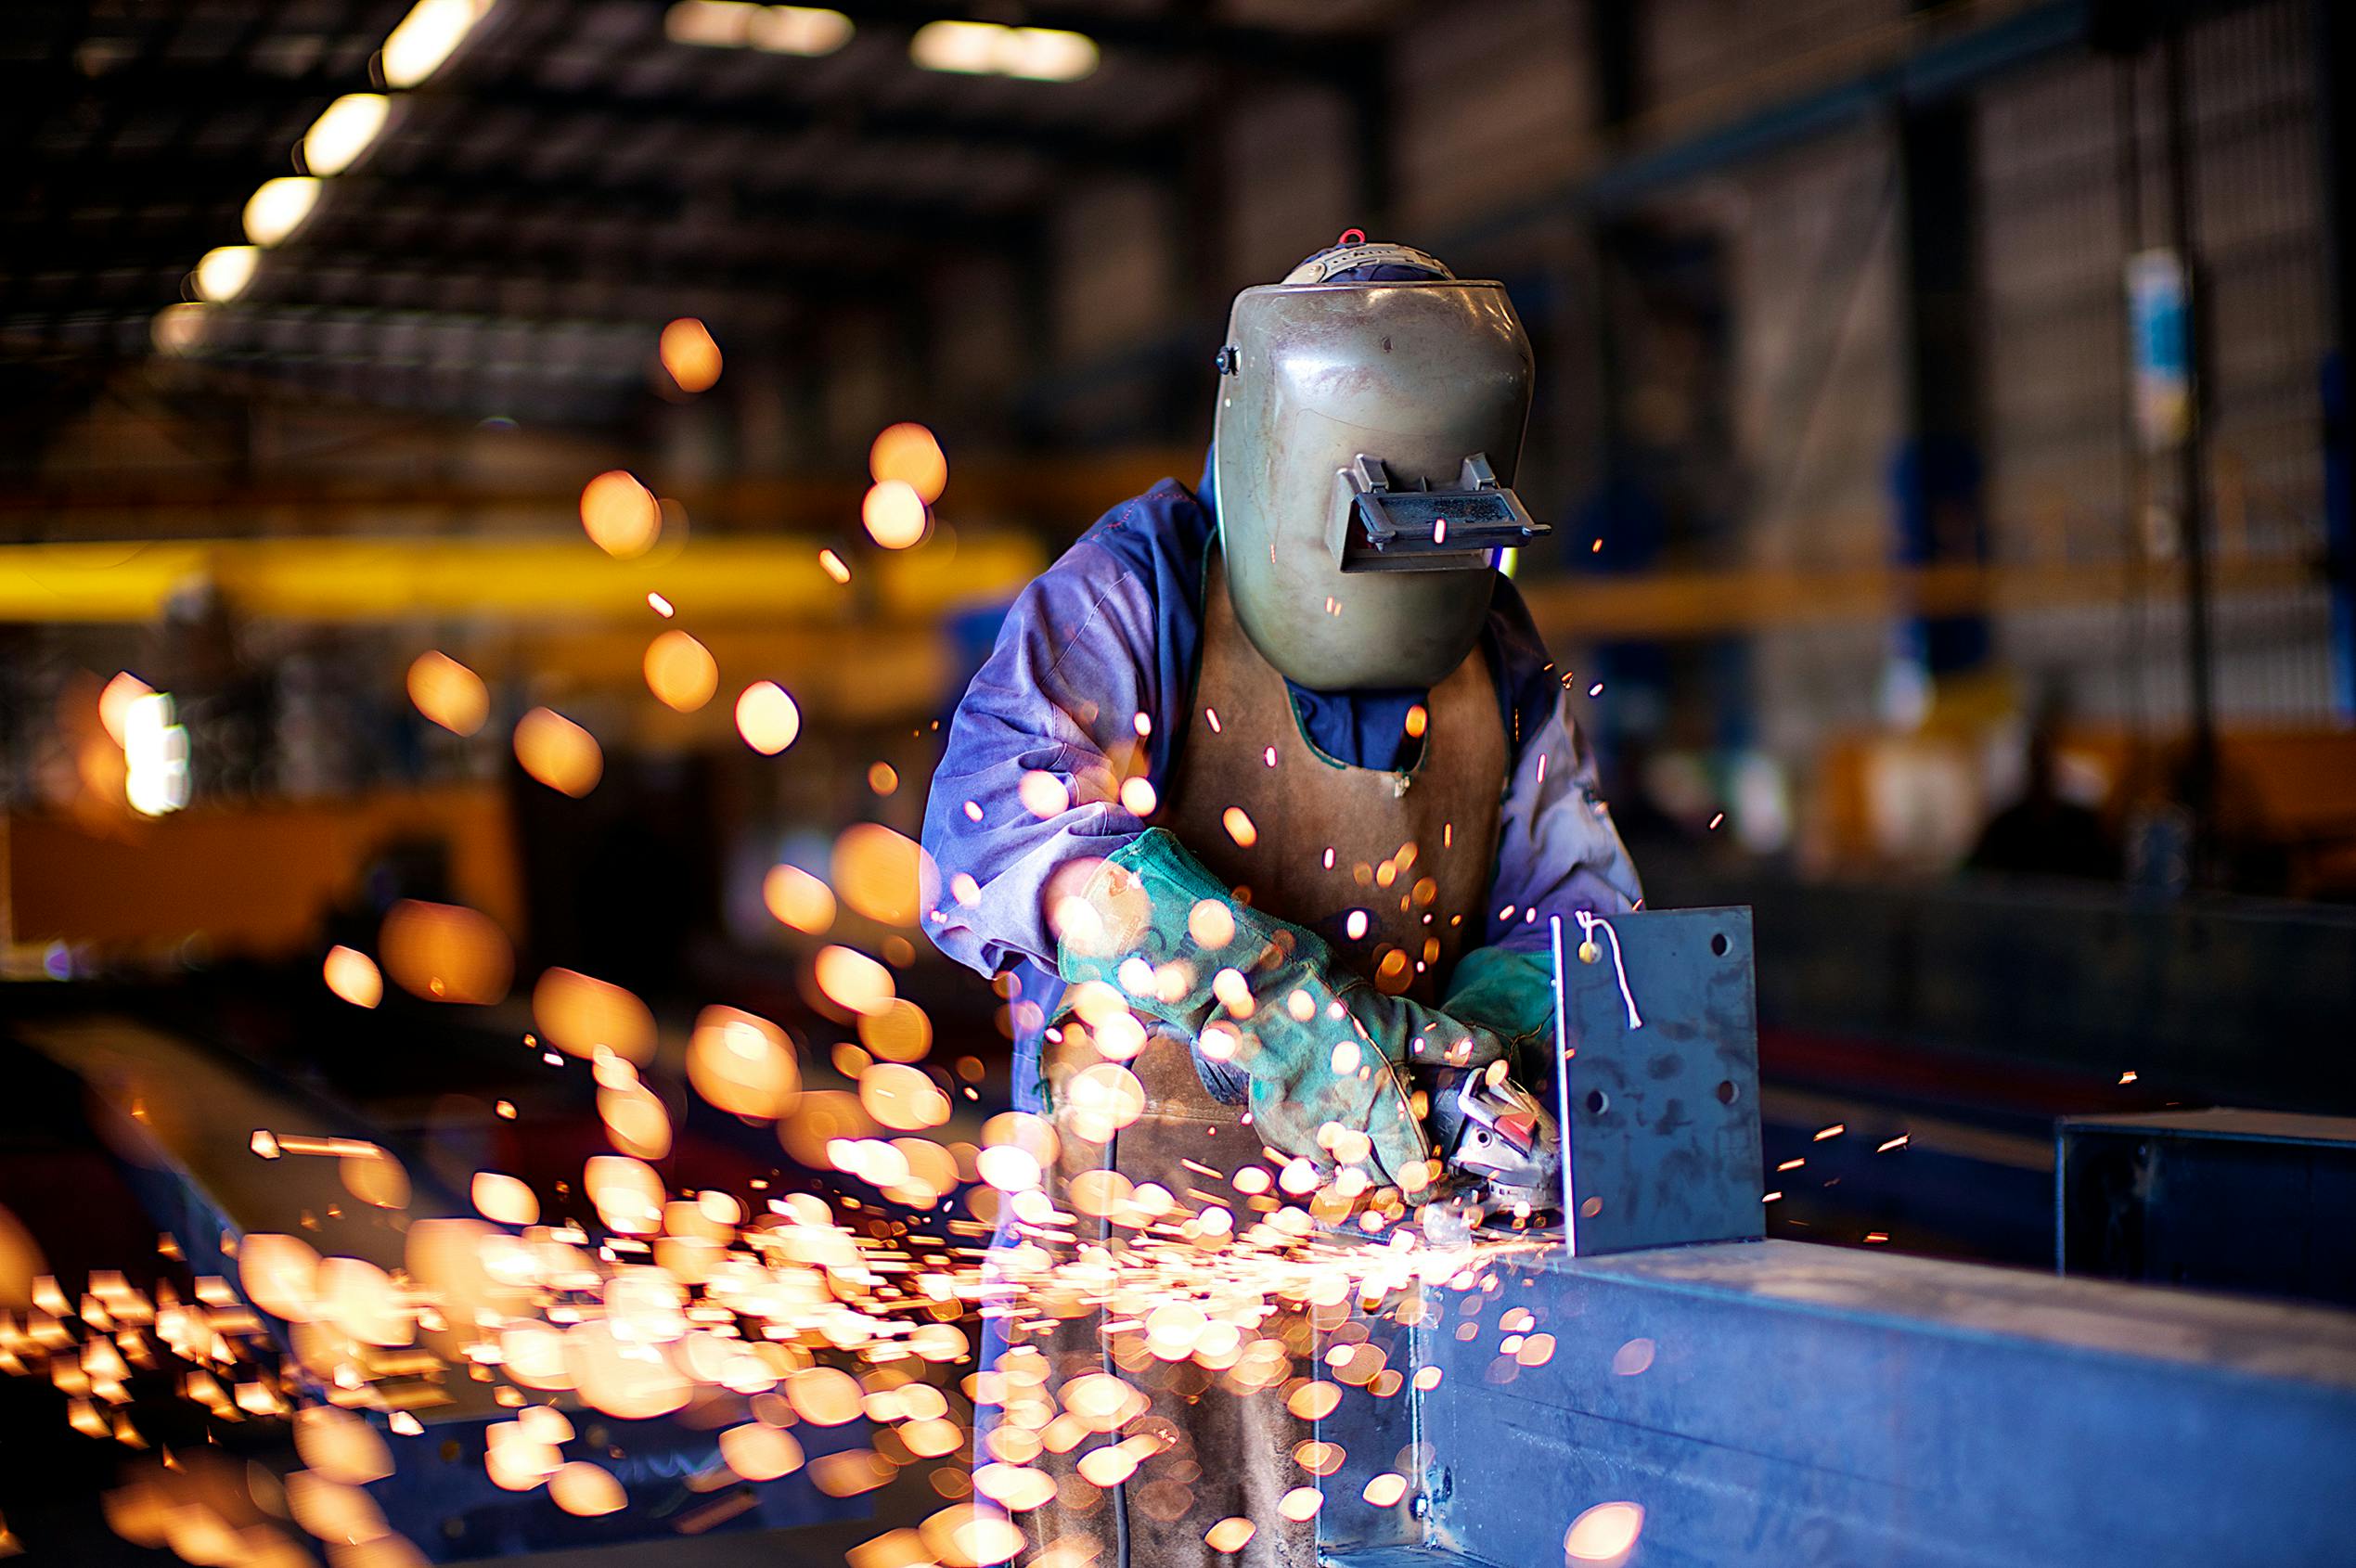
[1077,698]
[1557,851]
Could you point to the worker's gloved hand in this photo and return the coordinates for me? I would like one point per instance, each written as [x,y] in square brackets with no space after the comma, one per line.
[1511,995]
[1320,1048]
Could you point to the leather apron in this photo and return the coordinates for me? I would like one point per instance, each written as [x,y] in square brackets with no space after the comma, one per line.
[1411,852]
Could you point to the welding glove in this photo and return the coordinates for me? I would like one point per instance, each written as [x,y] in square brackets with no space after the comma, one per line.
[1321,1049]
[1511,995]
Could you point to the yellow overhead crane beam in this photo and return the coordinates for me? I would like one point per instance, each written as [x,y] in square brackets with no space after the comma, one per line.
[776,583]
[1670,605]
[555,578]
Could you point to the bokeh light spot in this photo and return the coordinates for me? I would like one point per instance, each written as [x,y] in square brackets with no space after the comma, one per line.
[353,976]
[798,899]
[445,953]
[767,718]
[911,454]
[880,873]
[620,514]
[895,514]
[559,753]
[680,671]
[448,693]
[1604,1534]
[577,1013]
[689,354]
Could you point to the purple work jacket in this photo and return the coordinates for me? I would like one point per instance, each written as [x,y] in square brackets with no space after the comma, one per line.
[1112,631]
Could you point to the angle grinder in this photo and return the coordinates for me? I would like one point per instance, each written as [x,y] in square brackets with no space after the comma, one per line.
[1500,1145]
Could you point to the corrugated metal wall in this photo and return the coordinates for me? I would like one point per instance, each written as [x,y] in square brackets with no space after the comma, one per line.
[2054,195]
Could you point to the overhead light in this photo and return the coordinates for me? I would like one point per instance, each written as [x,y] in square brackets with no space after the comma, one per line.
[985,49]
[339,137]
[224,273]
[428,36]
[798,30]
[715,24]
[154,755]
[970,47]
[1047,53]
[737,24]
[278,209]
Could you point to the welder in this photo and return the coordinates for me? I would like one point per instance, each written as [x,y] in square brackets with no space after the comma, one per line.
[1280,769]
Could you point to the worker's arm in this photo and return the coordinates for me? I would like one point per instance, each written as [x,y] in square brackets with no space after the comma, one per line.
[1557,853]
[1102,637]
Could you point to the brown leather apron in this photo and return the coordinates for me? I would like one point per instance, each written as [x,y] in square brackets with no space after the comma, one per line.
[1411,852]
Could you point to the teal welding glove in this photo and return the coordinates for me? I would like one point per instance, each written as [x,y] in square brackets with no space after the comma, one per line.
[1511,995]
[1320,1048]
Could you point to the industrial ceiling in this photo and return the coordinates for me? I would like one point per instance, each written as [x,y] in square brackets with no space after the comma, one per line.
[521,190]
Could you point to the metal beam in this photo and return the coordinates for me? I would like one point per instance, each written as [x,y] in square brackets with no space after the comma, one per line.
[2166,1197]
[540,291]
[555,577]
[1692,604]
[194,499]
[1777,1402]
[655,232]
[565,221]
[194,90]
[1932,63]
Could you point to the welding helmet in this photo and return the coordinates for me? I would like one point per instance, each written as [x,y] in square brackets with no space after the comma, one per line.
[1370,418]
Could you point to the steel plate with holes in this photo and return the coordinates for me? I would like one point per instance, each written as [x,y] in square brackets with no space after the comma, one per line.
[1662,1115]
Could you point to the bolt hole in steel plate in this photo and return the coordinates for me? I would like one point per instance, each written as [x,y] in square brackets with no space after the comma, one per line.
[1667,1126]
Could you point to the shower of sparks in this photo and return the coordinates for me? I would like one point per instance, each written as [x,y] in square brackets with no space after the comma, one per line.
[762,1317]
[621,1298]
[660,605]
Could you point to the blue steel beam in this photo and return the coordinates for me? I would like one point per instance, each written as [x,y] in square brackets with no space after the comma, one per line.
[1781,1403]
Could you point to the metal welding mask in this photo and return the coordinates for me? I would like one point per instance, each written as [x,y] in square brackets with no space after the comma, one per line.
[1371,414]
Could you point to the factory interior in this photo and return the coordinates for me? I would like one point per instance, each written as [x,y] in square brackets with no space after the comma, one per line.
[504,502]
